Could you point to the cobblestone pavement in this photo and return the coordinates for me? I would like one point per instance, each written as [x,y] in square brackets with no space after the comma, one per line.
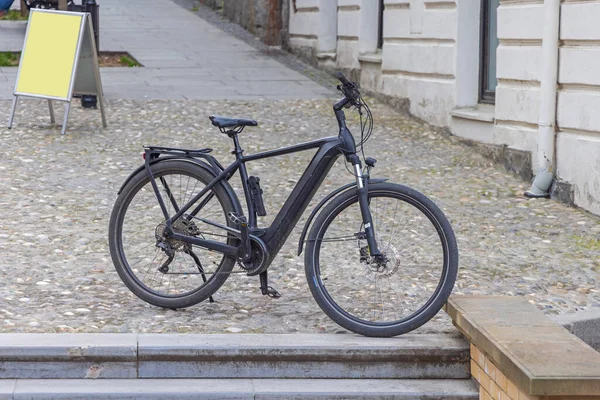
[56,195]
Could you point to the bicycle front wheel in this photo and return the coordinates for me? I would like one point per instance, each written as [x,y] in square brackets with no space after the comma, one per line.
[389,297]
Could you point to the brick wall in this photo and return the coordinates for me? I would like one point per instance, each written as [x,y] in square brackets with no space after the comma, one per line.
[493,384]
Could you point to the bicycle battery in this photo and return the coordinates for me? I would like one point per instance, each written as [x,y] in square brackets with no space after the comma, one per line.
[256,193]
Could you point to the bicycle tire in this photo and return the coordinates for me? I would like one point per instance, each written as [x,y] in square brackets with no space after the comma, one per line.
[144,217]
[344,304]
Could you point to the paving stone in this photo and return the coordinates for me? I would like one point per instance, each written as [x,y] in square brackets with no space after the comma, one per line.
[163,36]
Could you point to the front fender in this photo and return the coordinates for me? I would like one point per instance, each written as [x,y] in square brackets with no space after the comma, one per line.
[213,167]
[326,200]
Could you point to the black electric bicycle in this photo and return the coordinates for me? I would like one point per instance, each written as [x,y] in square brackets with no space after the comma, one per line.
[380,258]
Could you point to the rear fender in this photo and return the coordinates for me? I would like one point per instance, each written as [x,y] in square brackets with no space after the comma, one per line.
[211,165]
[326,200]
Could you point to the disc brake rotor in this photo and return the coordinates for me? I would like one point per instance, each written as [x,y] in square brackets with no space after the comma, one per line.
[387,266]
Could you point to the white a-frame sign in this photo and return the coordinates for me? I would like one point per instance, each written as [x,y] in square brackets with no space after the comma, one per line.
[58,60]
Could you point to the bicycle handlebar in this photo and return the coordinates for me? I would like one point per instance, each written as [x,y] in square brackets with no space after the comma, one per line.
[343,79]
[350,91]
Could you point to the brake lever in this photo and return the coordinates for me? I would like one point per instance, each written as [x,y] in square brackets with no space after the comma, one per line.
[351,93]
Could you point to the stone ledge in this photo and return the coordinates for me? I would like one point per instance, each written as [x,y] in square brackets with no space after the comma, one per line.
[301,356]
[326,56]
[54,355]
[539,356]
[481,112]
[128,356]
[68,347]
[375,58]
[239,389]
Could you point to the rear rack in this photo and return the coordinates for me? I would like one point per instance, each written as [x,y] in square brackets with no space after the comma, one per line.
[176,151]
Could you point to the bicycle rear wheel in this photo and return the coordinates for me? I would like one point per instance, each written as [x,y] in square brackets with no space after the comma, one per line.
[166,272]
[382,298]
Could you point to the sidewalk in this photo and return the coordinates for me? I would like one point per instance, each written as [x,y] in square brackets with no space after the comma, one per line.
[57,192]
[184,58]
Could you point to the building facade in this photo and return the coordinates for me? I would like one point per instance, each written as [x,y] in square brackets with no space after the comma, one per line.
[517,74]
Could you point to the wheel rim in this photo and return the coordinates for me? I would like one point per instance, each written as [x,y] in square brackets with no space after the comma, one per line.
[414,243]
[144,254]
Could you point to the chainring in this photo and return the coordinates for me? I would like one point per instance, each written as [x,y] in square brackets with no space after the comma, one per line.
[259,258]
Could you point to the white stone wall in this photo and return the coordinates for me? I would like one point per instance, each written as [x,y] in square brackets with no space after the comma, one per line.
[431,56]
[348,22]
[520,25]
[578,111]
[304,24]
[418,56]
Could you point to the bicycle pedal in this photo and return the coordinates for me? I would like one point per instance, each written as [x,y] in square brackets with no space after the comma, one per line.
[271,292]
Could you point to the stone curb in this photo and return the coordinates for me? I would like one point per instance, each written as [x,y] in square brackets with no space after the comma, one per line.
[448,389]
[583,324]
[129,356]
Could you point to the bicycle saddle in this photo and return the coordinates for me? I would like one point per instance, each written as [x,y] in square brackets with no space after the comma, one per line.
[224,122]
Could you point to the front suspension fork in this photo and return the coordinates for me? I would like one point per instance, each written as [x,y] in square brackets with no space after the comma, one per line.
[363,199]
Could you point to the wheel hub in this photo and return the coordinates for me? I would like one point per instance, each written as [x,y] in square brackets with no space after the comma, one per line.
[387,264]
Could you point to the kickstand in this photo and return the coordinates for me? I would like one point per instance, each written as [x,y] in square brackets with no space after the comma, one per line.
[200,268]
[267,290]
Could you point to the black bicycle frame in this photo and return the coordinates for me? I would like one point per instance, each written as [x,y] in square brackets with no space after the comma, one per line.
[275,235]
[329,149]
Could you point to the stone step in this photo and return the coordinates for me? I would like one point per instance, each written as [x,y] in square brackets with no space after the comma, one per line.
[128,356]
[279,389]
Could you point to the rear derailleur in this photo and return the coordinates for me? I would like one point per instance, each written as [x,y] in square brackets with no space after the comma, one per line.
[170,246]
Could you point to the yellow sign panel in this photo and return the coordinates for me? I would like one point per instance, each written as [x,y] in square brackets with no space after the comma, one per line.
[59,58]
[48,58]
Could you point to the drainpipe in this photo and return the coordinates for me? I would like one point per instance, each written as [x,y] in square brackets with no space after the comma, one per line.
[546,142]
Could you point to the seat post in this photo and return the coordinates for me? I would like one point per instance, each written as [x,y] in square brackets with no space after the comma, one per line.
[238,151]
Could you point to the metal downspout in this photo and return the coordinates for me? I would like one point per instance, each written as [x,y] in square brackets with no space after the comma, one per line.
[546,142]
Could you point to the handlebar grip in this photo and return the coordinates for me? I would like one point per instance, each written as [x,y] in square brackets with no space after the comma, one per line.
[343,79]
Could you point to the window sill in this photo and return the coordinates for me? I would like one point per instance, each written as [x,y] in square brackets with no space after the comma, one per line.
[374,58]
[325,56]
[481,112]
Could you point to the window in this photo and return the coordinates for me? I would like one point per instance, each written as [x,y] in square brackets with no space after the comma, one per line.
[489,44]
[380,25]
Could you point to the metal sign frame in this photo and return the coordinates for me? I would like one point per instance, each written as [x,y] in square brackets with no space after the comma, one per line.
[85,32]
